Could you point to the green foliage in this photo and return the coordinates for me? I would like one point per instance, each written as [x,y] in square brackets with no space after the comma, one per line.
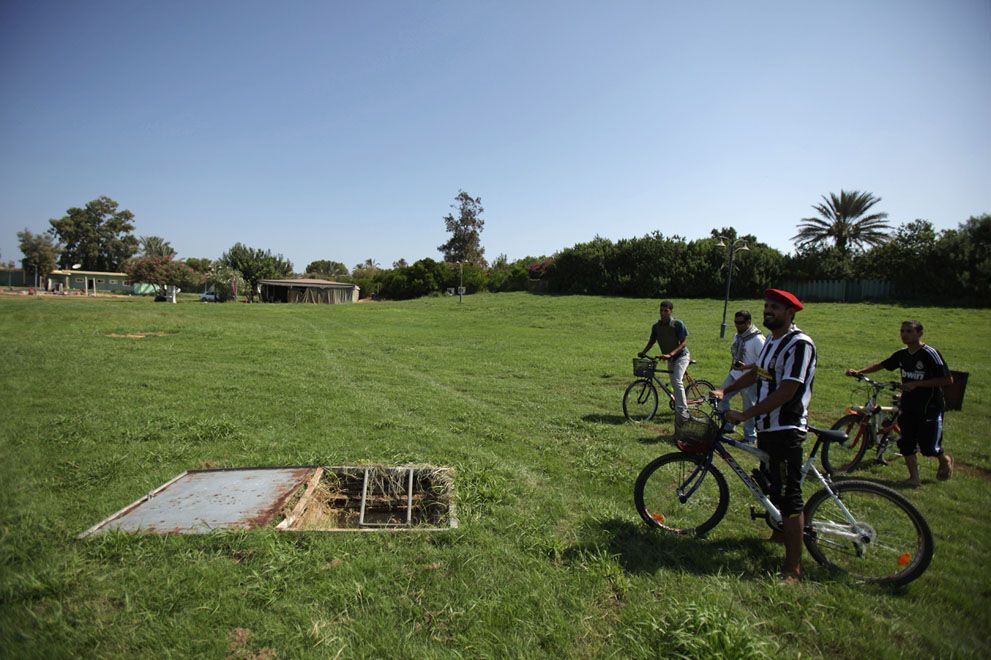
[654,265]
[255,265]
[465,243]
[162,271]
[506,276]
[40,253]
[224,281]
[843,223]
[155,246]
[98,236]
[200,265]
[326,269]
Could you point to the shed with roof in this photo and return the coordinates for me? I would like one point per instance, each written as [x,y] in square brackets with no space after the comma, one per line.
[308,291]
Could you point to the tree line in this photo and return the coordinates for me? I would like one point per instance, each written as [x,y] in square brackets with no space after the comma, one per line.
[846,240]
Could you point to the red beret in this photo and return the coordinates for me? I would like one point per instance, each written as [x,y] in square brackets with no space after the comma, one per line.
[785,297]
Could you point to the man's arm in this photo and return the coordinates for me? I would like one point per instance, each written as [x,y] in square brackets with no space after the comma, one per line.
[939,381]
[649,344]
[746,380]
[866,370]
[778,398]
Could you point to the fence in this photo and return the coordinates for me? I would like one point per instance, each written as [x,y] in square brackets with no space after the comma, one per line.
[841,290]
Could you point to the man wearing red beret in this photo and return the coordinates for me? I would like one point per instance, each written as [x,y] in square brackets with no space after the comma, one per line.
[784,373]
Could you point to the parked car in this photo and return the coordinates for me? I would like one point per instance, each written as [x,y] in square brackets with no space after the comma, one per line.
[209,296]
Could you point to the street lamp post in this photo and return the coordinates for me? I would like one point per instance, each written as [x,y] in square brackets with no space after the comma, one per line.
[732,246]
[461,281]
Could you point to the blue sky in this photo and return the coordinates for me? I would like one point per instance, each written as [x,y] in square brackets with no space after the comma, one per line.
[332,130]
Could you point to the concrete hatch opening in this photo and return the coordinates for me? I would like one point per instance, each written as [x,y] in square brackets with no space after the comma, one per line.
[376,497]
[299,499]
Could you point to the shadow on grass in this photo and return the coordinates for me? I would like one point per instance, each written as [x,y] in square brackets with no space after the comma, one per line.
[660,439]
[640,549]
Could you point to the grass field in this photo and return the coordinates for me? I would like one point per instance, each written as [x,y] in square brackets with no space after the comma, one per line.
[521,394]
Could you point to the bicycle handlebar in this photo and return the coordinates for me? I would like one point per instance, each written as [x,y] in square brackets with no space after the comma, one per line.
[890,385]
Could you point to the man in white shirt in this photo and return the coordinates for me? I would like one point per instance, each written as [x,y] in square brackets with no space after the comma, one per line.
[744,352]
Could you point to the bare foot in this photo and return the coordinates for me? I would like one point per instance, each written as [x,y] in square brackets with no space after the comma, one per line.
[791,577]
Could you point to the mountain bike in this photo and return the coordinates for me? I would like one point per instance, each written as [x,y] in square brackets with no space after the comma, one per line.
[869,428]
[640,399]
[853,526]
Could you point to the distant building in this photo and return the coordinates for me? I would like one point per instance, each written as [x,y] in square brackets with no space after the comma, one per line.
[308,291]
[88,280]
[15,277]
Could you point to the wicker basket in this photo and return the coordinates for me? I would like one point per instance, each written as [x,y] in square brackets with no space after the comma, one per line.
[697,434]
[644,367]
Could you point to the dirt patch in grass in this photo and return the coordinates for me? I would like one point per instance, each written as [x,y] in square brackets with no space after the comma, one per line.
[140,335]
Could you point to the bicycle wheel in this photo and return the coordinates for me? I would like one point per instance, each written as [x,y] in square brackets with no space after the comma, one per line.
[845,456]
[697,396]
[890,542]
[640,401]
[673,493]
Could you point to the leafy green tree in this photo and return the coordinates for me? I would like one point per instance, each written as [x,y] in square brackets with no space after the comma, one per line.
[368,276]
[155,246]
[255,265]
[224,281]
[97,236]
[844,223]
[159,270]
[40,253]
[326,269]
[965,256]
[200,265]
[465,244]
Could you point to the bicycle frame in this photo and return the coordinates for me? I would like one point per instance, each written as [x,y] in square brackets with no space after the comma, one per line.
[664,386]
[773,513]
[882,418]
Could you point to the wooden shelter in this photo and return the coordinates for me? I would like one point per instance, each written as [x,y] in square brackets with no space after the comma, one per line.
[308,291]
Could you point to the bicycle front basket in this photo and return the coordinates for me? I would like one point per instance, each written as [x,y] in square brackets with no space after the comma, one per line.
[697,434]
[644,367]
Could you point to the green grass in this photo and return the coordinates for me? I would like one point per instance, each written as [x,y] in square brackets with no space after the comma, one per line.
[521,394]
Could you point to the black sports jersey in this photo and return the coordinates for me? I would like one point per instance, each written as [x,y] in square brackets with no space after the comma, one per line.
[924,364]
[791,357]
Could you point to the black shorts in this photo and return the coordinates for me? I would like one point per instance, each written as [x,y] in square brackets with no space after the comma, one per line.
[784,468]
[921,433]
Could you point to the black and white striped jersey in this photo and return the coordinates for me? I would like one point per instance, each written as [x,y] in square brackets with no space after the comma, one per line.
[791,357]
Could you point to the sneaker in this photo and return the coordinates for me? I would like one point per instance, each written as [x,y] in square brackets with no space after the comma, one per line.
[945,470]
[750,441]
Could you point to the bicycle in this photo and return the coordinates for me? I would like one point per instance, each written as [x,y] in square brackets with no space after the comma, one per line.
[857,527]
[869,426]
[640,399]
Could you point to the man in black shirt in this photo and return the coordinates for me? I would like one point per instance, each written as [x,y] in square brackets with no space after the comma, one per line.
[924,373]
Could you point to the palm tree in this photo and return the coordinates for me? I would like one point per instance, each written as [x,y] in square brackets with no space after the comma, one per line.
[843,222]
[155,246]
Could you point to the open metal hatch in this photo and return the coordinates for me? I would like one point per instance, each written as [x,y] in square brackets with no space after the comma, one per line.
[304,498]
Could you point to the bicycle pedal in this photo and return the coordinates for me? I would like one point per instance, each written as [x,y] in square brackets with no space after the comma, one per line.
[754,515]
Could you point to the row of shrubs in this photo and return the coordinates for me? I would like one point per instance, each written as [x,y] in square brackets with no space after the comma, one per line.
[922,264]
